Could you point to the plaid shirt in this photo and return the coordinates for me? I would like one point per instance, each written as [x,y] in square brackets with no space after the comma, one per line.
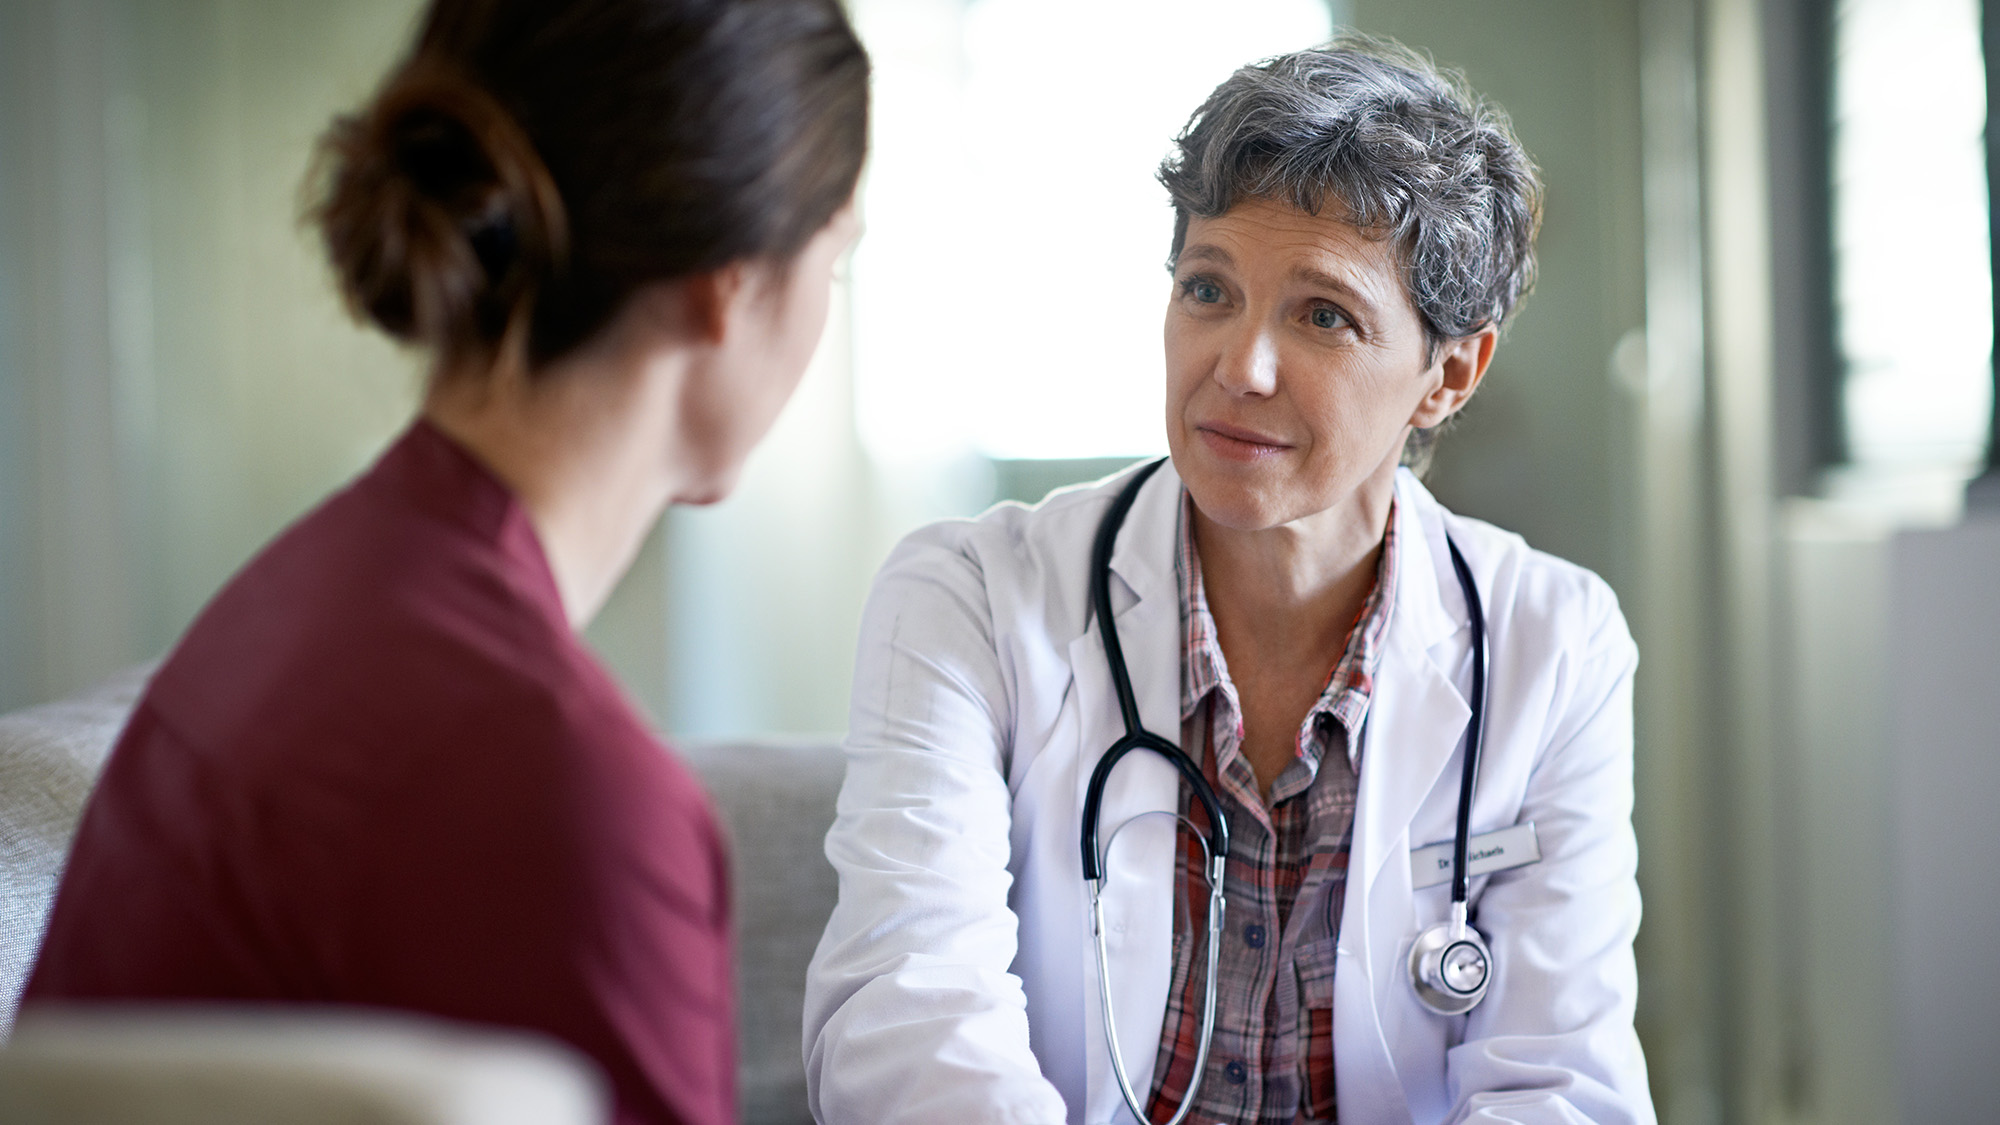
[1272,1057]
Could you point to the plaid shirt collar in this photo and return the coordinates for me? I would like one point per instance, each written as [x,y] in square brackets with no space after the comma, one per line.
[1348,687]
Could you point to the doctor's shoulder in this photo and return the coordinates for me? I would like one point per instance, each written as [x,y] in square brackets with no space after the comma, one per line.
[1540,597]
[1029,563]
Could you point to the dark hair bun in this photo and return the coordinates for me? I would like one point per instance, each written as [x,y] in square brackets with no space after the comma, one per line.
[440,219]
[532,164]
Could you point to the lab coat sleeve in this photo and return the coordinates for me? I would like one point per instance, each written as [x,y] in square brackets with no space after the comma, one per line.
[1554,1040]
[911,1012]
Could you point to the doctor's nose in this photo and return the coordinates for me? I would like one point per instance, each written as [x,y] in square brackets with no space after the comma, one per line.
[1248,364]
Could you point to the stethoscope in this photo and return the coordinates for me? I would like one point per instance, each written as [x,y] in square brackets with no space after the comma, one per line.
[1450,964]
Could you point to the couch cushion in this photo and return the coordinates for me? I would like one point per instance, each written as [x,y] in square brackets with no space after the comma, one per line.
[777,800]
[49,758]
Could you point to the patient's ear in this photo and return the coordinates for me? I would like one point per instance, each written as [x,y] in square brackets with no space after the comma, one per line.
[698,308]
[1454,375]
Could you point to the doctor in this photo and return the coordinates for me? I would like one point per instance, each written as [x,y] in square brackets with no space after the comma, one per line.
[1352,229]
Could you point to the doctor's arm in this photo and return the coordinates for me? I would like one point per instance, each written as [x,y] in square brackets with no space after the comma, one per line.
[911,1011]
[1554,1040]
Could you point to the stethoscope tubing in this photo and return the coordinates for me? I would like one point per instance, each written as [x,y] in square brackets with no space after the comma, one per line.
[1217,843]
[1461,879]
[1136,734]
[1217,909]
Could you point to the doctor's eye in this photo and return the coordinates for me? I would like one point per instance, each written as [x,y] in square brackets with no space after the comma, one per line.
[1202,290]
[1327,316]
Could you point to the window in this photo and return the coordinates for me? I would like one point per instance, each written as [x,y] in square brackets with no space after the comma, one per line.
[1010,289]
[1913,285]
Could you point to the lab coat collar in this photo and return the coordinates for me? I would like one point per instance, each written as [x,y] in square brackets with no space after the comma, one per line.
[1429,603]
[1417,717]
[1143,557]
[1429,607]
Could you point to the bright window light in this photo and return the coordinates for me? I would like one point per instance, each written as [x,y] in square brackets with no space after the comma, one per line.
[1913,283]
[1011,285]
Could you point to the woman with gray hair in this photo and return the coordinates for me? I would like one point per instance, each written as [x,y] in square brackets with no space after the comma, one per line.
[1253,785]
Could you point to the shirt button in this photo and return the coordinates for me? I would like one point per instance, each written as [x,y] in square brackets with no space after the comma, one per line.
[1253,936]
[1236,1073]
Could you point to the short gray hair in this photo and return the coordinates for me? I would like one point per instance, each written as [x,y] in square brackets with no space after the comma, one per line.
[1404,148]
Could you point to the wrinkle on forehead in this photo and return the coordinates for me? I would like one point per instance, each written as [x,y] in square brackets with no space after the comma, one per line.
[1323,249]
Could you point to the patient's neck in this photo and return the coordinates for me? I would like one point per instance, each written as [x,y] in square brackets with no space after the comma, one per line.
[585,443]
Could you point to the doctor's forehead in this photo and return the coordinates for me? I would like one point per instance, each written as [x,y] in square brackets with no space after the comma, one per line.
[1320,251]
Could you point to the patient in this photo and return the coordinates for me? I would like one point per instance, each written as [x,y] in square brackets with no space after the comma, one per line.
[381,768]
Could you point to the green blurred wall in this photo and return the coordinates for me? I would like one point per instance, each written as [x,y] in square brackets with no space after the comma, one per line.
[177,378]
[1538,450]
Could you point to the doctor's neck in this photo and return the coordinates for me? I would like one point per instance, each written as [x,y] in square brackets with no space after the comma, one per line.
[1291,591]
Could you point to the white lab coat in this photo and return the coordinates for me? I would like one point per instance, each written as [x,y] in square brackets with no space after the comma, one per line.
[955,982]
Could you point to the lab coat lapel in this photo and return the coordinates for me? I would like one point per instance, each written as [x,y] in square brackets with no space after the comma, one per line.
[1417,715]
[1138,913]
[1414,724]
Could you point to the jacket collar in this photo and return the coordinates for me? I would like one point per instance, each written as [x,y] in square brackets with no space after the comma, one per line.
[1428,599]
[1430,609]
[1143,557]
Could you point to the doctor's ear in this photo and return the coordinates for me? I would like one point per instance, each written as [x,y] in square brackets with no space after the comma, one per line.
[1455,373]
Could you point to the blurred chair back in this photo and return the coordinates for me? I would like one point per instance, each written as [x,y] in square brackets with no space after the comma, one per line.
[186,1064]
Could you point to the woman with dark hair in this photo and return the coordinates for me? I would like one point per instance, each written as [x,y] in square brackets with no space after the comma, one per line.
[381,768]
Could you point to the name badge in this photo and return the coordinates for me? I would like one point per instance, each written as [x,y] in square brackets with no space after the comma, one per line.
[1495,851]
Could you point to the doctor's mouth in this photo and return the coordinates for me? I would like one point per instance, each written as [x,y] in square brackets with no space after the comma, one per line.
[1238,443]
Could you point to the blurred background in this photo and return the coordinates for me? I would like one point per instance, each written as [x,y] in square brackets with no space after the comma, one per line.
[1750,390]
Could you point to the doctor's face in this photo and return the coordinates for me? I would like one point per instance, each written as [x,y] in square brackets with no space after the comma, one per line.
[1295,364]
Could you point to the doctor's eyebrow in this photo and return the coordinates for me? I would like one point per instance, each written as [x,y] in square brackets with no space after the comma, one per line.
[1205,252]
[1360,303]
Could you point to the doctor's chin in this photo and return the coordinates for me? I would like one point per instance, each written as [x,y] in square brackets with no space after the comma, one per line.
[679,562]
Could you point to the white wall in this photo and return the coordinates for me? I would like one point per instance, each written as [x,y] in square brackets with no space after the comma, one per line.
[1890,700]
[1836,906]
[1943,752]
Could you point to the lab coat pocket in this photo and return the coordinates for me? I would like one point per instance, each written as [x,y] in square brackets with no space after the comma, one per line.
[1315,966]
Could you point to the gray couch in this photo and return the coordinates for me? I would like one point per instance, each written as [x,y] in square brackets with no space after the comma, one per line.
[777,798]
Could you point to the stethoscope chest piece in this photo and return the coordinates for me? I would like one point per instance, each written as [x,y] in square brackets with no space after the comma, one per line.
[1450,966]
